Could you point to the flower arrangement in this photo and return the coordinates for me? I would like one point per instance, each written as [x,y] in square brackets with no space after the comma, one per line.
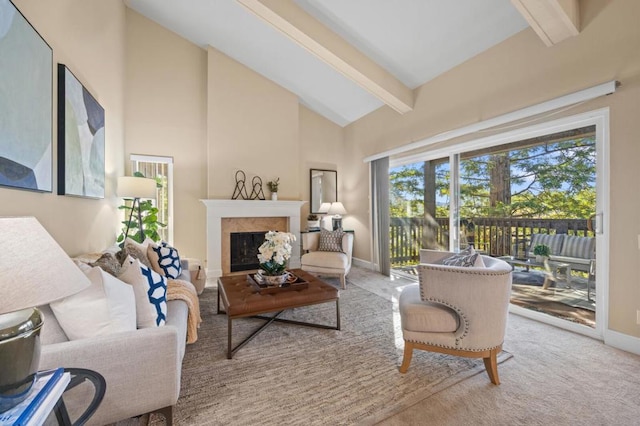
[273,185]
[275,251]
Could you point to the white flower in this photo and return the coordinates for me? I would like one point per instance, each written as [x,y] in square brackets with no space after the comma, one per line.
[276,247]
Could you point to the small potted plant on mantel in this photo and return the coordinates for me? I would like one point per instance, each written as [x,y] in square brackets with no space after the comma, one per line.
[541,252]
[313,222]
[273,187]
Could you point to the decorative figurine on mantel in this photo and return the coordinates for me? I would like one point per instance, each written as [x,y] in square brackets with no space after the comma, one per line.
[240,189]
[256,191]
[273,187]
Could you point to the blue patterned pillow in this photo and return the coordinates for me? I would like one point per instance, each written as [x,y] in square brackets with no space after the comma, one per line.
[157,293]
[165,260]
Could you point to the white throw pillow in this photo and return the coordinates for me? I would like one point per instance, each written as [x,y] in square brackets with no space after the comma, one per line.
[107,306]
[150,290]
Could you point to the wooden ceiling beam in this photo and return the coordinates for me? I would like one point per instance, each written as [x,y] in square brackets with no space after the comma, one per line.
[553,20]
[309,33]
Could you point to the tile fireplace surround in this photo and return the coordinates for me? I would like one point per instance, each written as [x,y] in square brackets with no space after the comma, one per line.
[219,209]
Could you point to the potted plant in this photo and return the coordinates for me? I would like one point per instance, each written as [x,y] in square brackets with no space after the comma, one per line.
[273,187]
[313,222]
[273,255]
[542,252]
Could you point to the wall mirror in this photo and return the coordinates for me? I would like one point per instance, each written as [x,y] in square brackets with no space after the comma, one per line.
[324,188]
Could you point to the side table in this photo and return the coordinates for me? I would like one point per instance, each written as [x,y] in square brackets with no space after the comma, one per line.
[78,376]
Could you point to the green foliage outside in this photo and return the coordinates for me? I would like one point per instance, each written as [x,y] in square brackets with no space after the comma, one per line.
[148,215]
[553,180]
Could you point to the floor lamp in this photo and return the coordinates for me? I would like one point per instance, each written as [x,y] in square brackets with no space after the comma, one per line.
[135,188]
[34,271]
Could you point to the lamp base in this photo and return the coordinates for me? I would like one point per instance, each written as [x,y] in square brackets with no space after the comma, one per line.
[19,355]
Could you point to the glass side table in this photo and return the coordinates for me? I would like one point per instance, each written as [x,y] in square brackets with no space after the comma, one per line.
[79,376]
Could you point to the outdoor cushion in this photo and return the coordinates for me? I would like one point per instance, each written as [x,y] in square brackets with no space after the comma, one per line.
[554,242]
[581,247]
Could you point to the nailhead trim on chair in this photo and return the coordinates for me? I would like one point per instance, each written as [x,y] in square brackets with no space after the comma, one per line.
[462,316]
[455,348]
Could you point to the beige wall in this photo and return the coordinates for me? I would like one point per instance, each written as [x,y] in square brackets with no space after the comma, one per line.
[252,126]
[88,37]
[165,100]
[520,72]
[321,147]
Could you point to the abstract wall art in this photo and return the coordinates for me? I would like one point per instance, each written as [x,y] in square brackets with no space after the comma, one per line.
[81,139]
[26,83]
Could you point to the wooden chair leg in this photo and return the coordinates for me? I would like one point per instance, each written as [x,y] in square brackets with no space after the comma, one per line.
[343,281]
[491,364]
[406,359]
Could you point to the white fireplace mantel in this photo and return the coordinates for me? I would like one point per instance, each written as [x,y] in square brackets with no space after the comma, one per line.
[218,209]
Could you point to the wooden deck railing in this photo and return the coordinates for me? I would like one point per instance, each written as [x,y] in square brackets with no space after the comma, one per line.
[493,236]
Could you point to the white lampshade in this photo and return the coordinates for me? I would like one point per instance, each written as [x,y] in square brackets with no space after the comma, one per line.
[34,270]
[337,208]
[324,208]
[136,187]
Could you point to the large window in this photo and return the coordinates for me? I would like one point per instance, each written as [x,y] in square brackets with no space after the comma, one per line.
[160,169]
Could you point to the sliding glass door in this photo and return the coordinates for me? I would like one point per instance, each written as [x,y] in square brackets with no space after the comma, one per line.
[506,194]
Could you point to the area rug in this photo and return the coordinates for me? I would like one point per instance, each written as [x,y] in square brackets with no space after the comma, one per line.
[298,375]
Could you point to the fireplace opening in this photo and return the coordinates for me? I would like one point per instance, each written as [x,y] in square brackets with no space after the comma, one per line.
[244,250]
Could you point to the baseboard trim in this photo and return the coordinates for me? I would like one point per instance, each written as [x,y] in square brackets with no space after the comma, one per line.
[622,341]
[361,263]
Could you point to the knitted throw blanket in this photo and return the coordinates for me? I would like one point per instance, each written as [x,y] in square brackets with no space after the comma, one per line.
[184,290]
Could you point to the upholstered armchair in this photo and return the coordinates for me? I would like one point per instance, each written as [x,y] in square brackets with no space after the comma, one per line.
[457,310]
[330,263]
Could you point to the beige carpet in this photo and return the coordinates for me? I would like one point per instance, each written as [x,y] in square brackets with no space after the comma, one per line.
[299,375]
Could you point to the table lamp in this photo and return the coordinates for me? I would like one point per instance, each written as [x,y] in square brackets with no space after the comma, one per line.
[323,209]
[34,271]
[136,188]
[336,210]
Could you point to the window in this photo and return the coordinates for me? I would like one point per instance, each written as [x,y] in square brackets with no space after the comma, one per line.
[160,169]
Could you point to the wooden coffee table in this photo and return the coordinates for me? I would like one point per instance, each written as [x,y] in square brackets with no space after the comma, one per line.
[241,299]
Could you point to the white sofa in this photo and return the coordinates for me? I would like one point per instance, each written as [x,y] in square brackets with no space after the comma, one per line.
[142,368]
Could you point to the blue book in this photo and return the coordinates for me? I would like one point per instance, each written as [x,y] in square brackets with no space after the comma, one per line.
[34,410]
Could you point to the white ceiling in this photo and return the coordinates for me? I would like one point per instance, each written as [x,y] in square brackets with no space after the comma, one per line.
[414,40]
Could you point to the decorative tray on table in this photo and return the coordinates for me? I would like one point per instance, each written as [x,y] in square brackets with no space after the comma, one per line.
[293,283]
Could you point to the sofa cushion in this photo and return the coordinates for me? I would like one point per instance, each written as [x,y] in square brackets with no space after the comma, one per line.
[330,240]
[421,316]
[150,290]
[107,306]
[330,260]
[164,259]
[108,263]
[580,247]
[554,242]
[137,251]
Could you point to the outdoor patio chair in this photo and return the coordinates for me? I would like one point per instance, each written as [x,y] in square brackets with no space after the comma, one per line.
[457,310]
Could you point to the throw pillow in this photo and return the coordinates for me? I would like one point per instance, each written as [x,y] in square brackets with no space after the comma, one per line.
[150,289]
[165,260]
[466,258]
[331,240]
[107,306]
[137,251]
[108,263]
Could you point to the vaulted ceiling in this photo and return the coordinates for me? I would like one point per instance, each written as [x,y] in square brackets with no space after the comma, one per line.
[346,58]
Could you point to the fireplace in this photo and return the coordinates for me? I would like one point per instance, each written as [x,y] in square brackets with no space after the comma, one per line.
[244,250]
[227,216]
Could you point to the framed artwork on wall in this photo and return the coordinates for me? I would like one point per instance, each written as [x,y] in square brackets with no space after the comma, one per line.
[80,139]
[26,88]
